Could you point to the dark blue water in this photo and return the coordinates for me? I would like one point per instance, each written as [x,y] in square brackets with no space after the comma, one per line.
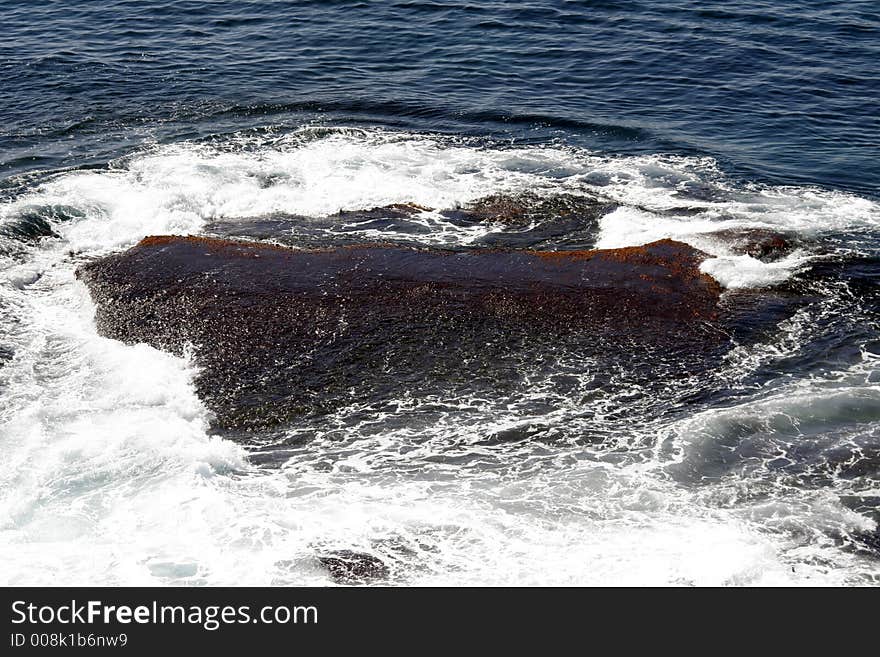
[781,91]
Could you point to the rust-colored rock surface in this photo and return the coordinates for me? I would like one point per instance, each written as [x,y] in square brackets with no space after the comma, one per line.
[280,331]
[662,276]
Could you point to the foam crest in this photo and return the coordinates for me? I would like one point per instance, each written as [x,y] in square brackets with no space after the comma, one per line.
[746,272]
[176,188]
[676,187]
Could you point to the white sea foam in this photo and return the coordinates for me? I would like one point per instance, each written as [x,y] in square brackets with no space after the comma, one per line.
[111,474]
[177,188]
[742,271]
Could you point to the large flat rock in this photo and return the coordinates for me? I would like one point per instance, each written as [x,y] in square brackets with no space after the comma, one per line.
[280,331]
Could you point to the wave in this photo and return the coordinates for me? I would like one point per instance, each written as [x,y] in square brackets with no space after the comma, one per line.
[315,172]
[113,475]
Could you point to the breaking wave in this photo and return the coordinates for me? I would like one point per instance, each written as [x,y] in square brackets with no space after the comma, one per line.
[113,475]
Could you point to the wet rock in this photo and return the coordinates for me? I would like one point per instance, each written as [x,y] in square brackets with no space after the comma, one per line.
[281,332]
[345,226]
[348,567]
[525,208]
[498,209]
[761,244]
[528,220]
[393,211]
[514,221]
[658,279]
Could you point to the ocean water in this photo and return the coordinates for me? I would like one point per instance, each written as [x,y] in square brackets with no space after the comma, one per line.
[123,119]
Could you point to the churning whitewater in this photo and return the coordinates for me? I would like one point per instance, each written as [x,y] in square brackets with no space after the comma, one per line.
[761,471]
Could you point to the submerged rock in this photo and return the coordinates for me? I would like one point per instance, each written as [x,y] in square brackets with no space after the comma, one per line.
[522,221]
[527,220]
[759,243]
[525,208]
[278,332]
[393,211]
[303,230]
[348,567]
